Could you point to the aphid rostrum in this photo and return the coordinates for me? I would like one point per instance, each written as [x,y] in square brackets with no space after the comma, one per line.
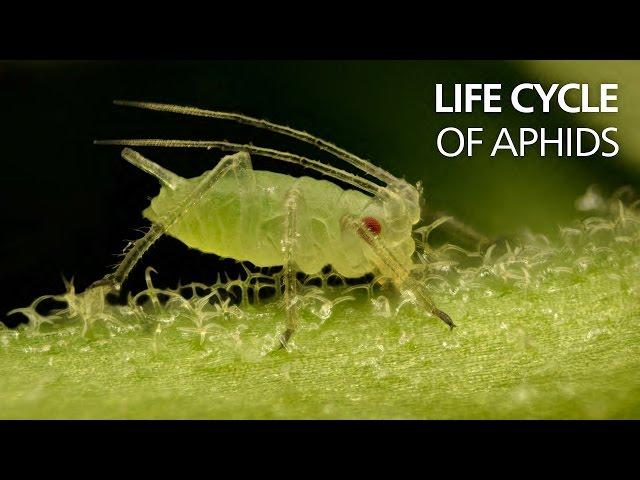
[272,219]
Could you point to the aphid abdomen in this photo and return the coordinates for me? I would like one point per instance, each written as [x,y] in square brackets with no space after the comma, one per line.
[241,217]
[211,225]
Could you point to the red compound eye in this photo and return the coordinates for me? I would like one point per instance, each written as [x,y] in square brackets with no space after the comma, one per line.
[373,225]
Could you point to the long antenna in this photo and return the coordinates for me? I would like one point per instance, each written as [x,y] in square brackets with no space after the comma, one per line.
[364,165]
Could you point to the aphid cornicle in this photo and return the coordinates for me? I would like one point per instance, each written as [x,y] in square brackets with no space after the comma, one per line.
[274,219]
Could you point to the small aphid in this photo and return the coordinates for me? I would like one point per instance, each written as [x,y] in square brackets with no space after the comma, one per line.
[273,219]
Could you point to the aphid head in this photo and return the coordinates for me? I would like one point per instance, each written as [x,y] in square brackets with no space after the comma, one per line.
[390,217]
[403,199]
[399,204]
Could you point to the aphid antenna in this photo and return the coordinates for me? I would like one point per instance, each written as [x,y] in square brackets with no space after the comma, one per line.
[362,164]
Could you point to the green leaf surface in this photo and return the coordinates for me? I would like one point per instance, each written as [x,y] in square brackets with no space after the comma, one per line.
[544,331]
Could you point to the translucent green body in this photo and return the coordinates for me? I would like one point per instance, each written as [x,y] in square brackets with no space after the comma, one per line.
[243,218]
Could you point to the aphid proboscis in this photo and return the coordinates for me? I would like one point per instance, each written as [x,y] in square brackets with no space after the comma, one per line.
[274,219]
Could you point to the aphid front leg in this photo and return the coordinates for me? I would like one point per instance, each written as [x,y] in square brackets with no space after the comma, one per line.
[389,265]
[237,162]
[289,242]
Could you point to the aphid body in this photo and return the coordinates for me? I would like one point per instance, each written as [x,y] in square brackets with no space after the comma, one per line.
[244,219]
[274,219]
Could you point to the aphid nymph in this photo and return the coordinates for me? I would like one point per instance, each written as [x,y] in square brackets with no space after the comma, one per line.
[273,219]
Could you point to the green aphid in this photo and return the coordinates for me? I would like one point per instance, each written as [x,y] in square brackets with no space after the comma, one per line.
[274,219]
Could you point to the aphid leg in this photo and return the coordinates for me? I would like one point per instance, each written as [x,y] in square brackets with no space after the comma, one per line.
[238,161]
[289,241]
[389,264]
[459,230]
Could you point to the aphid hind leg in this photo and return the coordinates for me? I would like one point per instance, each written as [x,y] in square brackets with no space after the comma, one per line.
[238,162]
[289,242]
[388,264]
